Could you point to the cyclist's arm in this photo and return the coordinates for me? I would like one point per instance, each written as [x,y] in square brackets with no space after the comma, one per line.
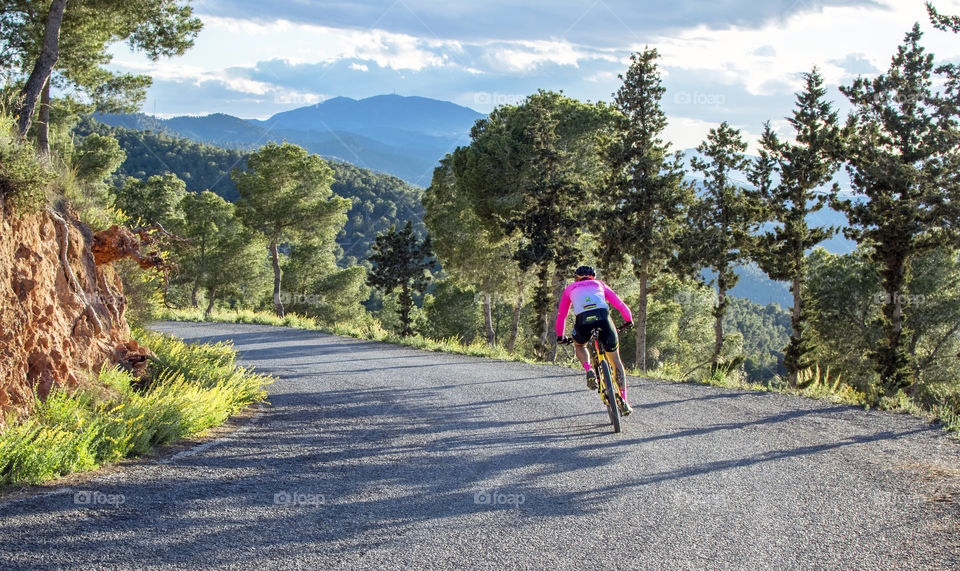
[563,311]
[615,301]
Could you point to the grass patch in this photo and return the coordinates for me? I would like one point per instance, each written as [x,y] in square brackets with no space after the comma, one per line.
[371,330]
[194,388]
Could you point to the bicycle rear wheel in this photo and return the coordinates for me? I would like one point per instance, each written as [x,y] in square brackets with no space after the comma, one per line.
[610,394]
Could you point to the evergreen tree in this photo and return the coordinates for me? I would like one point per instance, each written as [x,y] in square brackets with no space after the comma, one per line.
[801,168]
[313,285]
[721,221]
[642,206]
[401,261]
[152,201]
[943,22]
[531,169]
[221,254]
[67,45]
[285,195]
[467,249]
[902,143]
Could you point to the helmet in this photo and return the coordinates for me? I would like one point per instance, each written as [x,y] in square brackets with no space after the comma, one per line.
[585,271]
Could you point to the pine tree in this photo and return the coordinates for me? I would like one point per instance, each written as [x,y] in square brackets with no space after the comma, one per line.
[721,221]
[68,44]
[286,194]
[401,261]
[902,143]
[470,251]
[642,206]
[530,170]
[801,168]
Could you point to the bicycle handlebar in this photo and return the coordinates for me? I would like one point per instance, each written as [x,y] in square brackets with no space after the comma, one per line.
[621,329]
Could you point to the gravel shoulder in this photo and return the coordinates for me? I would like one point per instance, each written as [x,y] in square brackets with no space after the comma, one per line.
[378,456]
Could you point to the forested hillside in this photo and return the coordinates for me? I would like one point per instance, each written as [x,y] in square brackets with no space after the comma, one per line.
[379,200]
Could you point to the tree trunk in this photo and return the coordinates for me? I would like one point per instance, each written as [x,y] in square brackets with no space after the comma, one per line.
[640,320]
[43,122]
[406,303]
[275,258]
[551,308]
[718,315]
[42,69]
[193,293]
[893,359]
[198,270]
[541,307]
[515,327]
[212,292]
[793,363]
[488,320]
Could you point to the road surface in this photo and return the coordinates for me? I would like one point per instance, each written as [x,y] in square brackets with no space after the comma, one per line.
[376,456]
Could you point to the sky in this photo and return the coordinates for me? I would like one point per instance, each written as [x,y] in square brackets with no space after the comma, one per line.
[721,60]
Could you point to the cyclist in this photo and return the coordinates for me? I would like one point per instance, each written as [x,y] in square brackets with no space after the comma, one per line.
[591,300]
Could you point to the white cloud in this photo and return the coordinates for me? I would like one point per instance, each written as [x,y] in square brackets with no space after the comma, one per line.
[743,56]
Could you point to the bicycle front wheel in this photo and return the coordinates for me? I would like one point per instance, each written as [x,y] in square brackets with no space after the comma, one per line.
[610,394]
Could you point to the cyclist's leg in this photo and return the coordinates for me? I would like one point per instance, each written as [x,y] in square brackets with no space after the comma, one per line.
[611,346]
[581,351]
[582,329]
[614,357]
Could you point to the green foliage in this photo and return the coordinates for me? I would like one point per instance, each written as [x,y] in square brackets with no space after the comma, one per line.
[24,177]
[841,296]
[902,144]
[765,331]
[402,262]
[286,196]
[528,173]
[222,256]
[801,168]
[195,388]
[152,201]
[719,232]
[641,207]
[846,296]
[378,200]
[201,167]
[89,30]
[314,286]
[452,312]
[97,157]
[469,249]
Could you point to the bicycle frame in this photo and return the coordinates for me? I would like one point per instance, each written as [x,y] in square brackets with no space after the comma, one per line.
[597,355]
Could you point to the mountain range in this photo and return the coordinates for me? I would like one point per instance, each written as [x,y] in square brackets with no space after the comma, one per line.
[402,136]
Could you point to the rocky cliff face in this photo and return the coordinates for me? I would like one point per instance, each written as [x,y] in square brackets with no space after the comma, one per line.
[61,307]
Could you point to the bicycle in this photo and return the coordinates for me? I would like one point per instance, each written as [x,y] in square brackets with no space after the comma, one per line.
[607,384]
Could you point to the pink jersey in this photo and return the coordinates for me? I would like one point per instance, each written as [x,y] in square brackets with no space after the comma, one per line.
[587,295]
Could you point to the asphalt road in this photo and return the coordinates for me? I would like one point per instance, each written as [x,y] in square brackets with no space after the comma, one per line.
[377,456]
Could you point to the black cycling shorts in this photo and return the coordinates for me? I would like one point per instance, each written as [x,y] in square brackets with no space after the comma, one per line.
[596,319]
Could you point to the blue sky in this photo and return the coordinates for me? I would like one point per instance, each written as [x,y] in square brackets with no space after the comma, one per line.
[722,59]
